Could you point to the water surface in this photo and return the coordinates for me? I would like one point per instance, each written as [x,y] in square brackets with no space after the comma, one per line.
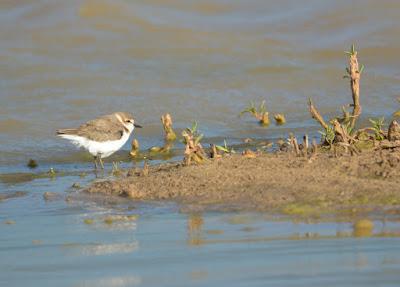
[65,62]
[68,241]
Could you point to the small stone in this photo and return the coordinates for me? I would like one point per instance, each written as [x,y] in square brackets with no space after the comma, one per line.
[32,163]
[9,222]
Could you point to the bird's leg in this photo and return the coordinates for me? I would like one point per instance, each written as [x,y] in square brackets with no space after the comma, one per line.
[95,163]
[101,162]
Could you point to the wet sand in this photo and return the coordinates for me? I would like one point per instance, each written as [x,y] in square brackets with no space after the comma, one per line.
[279,182]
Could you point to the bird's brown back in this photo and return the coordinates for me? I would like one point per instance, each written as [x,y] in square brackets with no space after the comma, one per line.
[105,128]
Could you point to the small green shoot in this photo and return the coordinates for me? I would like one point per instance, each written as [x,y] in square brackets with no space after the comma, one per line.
[377,126]
[328,135]
[225,148]
[194,133]
[352,50]
[351,53]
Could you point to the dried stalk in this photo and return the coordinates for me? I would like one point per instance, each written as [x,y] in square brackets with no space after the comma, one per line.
[354,74]
[343,126]
[341,134]
[166,121]
[314,146]
[305,144]
[293,142]
[296,146]
[316,115]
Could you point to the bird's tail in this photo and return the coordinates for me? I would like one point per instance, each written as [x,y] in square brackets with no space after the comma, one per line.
[66,132]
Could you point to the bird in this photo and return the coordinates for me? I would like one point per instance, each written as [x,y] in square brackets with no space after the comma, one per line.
[102,136]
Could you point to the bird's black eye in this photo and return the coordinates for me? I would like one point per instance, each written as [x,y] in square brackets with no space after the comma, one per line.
[127,121]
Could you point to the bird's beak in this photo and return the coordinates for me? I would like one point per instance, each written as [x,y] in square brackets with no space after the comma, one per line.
[137,126]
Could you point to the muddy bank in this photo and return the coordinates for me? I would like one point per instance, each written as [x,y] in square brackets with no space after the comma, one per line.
[281,182]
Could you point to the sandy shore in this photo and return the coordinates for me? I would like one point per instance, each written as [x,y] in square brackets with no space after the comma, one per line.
[278,182]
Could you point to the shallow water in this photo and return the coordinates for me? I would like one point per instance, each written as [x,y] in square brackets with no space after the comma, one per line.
[70,241]
[65,62]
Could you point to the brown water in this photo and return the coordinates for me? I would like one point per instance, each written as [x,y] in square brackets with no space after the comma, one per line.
[65,62]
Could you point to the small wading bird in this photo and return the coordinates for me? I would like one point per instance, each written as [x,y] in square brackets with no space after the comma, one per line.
[102,136]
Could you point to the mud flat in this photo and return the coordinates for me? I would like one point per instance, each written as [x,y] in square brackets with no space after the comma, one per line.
[324,182]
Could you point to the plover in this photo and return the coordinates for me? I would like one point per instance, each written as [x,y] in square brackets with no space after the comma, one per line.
[102,136]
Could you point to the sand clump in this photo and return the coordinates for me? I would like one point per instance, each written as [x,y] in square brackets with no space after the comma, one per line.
[278,181]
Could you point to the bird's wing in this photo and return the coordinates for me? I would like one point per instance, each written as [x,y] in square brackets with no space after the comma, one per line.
[105,128]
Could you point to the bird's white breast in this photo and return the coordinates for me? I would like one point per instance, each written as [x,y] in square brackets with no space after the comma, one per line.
[102,149]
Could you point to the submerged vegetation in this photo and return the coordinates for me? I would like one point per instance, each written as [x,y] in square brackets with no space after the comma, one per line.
[166,121]
[280,119]
[134,148]
[169,138]
[260,113]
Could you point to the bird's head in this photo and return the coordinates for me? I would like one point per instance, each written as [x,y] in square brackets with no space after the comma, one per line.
[127,121]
